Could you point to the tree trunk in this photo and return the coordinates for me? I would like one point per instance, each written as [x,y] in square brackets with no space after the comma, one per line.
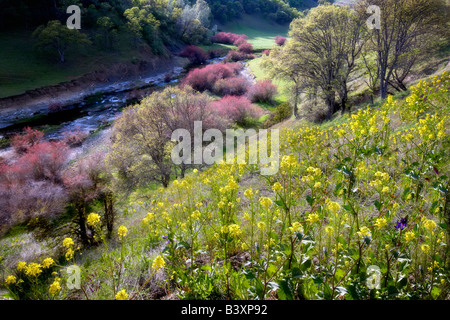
[82,224]
[331,104]
[109,213]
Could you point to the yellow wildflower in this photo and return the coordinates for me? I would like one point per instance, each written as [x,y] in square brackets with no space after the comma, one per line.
[122,295]
[10,280]
[333,206]
[122,232]
[296,227]
[55,288]
[21,265]
[93,219]
[380,223]
[47,263]
[33,269]
[248,193]
[158,263]
[409,236]
[277,187]
[265,202]
[430,224]
[67,242]
[312,218]
[234,230]
[425,248]
[364,232]
[329,230]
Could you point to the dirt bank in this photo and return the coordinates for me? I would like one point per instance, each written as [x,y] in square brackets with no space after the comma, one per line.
[73,91]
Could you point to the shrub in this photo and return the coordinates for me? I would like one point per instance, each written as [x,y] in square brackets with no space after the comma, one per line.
[235,55]
[21,143]
[228,38]
[44,161]
[266,52]
[237,109]
[205,78]
[262,91]
[74,138]
[282,112]
[246,48]
[240,40]
[235,86]
[279,40]
[195,54]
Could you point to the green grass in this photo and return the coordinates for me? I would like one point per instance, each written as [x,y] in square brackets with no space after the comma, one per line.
[22,68]
[261,32]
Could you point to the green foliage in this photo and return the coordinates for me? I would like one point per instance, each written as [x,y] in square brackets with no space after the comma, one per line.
[59,38]
[282,112]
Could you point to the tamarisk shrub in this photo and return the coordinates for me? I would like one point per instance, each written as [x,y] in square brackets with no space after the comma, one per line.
[195,54]
[280,40]
[245,47]
[263,91]
[21,143]
[202,79]
[237,109]
[235,86]
[229,38]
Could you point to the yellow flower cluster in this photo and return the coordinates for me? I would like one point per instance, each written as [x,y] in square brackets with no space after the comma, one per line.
[380,223]
[289,162]
[10,280]
[196,215]
[296,227]
[121,295]
[429,224]
[312,218]
[265,202]
[122,232]
[277,187]
[47,263]
[158,263]
[93,219]
[68,242]
[364,232]
[55,287]
[33,269]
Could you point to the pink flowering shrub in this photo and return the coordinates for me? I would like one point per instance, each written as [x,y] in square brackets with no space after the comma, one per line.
[279,40]
[235,86]
[237,109]
[202,79]
[195,54]
[263,91]
[246,48]
[229,38]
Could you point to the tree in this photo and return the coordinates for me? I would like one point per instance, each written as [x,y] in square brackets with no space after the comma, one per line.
[141,153]
[60,38]
[142,24]
[193,21]
[320,56]
[107,34]
[406,27]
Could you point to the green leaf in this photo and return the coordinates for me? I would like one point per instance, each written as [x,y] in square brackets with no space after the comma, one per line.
[377,205]
[280,204]
[310,200]
[285,290]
